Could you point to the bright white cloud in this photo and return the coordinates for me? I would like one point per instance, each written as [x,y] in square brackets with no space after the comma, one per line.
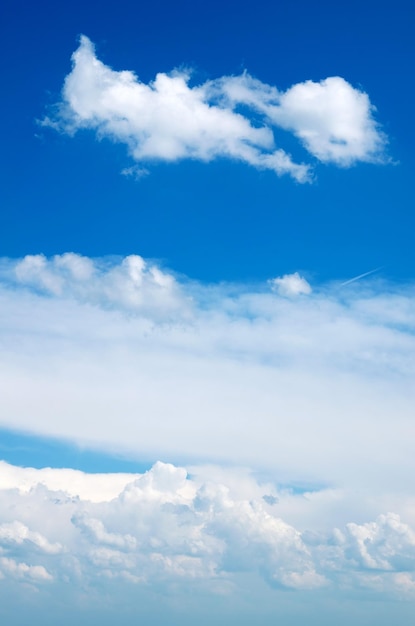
[123,356]
[291,285]
[169,120]
[167,528]
[73,482]
[333,120]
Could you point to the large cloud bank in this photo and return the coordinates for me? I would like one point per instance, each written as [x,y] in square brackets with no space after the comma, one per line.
[167,528]
[169,120]
[313,385]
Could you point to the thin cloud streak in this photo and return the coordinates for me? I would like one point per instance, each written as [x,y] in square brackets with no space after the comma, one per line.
[352,280]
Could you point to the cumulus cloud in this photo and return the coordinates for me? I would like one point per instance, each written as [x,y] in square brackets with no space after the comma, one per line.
[385,544]
[333,120]
[170,120]
[168,528]
[123,356]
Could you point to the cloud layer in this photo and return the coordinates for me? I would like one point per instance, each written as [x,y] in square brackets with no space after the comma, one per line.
[169,120]
[315,385]
[287,408]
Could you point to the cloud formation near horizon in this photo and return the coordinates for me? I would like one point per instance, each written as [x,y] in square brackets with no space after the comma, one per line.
[169,120]
[169,529]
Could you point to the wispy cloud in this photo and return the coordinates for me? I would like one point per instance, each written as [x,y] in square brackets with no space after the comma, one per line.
[352,280]
[126,356]
[168,120]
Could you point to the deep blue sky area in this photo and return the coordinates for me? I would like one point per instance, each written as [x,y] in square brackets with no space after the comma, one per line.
[224,221]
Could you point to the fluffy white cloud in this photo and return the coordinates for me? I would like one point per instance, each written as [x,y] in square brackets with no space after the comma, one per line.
[17,533]
[333,119]
[385,544]
[290,285]
[170,120]
[167,528]
[124,358]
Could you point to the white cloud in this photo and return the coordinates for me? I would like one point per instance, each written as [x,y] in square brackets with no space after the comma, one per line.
[333,120]
[125,357]
[23,572]
[291,285]
[167,529]
[73,482]
[169,120]
[132,283]
[385,544]
[17,533]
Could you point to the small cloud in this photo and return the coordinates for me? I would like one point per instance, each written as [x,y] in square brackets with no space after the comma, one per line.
[135,172]
[290,285]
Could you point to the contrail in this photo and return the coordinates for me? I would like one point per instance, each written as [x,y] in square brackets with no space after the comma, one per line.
[351,280]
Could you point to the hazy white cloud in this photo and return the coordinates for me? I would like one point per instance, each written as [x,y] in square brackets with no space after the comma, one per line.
[123,356]
[169,120]
[131,283]
[21,571]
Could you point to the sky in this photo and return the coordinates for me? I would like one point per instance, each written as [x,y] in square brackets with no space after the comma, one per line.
[207,313]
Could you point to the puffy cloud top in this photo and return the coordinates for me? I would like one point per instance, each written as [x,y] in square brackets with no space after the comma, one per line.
[169,528]
[132,283]
[291,285]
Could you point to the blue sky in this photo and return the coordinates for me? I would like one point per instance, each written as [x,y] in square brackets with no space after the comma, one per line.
[347,222]
[207,312]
